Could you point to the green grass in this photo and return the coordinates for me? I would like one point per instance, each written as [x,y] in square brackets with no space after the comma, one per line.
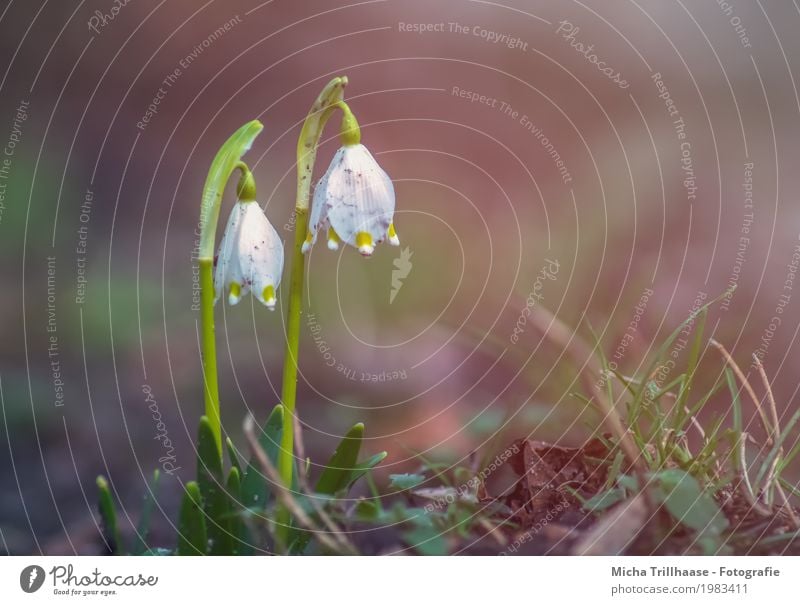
[698,466]
[714,483]
[705,462]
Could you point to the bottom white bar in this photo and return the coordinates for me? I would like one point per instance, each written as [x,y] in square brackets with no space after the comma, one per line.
[351,581]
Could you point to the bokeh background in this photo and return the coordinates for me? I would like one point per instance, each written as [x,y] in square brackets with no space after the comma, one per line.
[524,175]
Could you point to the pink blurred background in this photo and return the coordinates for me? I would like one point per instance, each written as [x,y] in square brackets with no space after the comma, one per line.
[470,117]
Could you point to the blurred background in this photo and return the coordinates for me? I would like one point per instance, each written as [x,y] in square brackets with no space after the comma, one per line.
[618,163]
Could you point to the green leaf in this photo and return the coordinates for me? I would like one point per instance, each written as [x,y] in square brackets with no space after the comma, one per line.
[214,497]
[697,407]
[629,482]
[694,359]
[363,467]
[236,524]
[109,516]
[661,352]
[233,455]
[340,473]
[688,502]
[615,470]
[222,167]
[335,477]
[461,519]
[147,510]
[406,480]
[337,473]
[234,483]
[255,486]
[298,539]
[208,456]
[192,536]
[415,514]
[604,500]
[368,510]
[426,540]
[737,406]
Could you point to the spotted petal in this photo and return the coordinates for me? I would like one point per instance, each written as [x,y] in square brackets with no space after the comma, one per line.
[355,201]
[250,256]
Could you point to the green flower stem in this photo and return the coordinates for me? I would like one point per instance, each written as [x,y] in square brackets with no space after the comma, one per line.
[227,160]
[209,348]
[307,144]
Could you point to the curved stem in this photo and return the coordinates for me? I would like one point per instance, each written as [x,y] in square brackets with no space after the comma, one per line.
[349,132]
[307,144]
[227,160]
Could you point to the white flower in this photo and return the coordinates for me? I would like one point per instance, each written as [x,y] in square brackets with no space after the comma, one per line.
[250,256]
[354,201]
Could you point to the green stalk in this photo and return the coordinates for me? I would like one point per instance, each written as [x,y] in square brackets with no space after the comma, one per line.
[294,313]
[227,160]
[209,348]
[307,144]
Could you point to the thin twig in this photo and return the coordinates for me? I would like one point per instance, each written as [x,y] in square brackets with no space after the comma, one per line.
[774,408]
[770,480]
[299,446]
[696,424]
[741,462]
[302,480]
[748,493]
[747,387]
[284,495]
[771,477]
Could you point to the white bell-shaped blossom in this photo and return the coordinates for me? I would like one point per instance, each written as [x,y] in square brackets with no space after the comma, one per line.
[250,256]
[354,201]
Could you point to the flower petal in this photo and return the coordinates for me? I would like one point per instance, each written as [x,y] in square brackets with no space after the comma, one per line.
[227,269]
[250,256]
[355,196]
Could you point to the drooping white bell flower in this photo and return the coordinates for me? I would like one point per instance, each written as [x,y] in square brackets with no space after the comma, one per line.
[250,254]
[354,200]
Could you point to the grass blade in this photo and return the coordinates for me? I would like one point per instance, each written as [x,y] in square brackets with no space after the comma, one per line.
[147,510]
[255,486]
[108,514]
[233,455]
[363,467]
[212,492]
[236,526]
[776,448]
[192,536]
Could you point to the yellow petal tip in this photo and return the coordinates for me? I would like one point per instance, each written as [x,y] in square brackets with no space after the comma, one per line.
[234,294]
[333,239]
[364,243]
[307,243]
[269,297]
[393,239]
